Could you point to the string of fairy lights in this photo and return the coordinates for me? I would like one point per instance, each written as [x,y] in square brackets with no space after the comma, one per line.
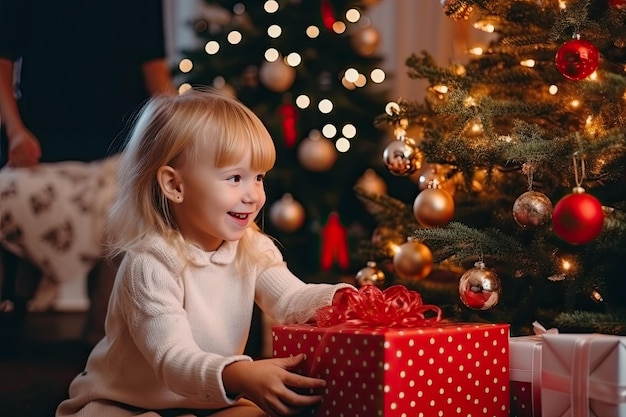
[278,71]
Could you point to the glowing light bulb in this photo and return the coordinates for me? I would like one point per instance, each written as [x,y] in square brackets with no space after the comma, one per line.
[185,65]
[378,75]
[325,106]
[329,131]
[293,59]
[339,27]
[312,32]
[303,101]
[351,74]
[274,31]
[271,6]
[349,131]
[271,55]
[234,37]
[212,47]
[342,145]
[353,15]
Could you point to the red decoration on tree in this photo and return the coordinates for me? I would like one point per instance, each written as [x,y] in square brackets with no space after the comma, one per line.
[578,217]
[617,4]
[328,16]
[289,116]
[577,59]
[334,244]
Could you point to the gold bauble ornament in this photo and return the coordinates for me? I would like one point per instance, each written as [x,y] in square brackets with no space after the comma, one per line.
[413,261]
[365,41]
[479,287]
[402,157]
[287,214]
[277,76]
[371,275]
[532,210]
[433,207]
[316,153]
[371,182]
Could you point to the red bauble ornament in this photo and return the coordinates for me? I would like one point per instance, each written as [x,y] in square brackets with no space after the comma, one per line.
[577,59]
[617,4]
[578,217]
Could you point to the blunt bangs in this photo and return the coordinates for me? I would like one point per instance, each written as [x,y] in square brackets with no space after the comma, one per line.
[234,132]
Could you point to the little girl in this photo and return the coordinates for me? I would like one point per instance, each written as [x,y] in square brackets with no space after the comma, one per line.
[191,187]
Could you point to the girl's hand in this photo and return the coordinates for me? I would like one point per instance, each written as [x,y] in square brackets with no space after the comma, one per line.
[270,384]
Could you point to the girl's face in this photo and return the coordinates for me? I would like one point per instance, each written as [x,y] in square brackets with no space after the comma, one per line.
[218,204]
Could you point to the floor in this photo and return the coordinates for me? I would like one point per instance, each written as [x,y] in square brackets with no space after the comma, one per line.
[40,354]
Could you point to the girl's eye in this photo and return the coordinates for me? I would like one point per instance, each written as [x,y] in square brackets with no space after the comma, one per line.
[260,177]
[235,178]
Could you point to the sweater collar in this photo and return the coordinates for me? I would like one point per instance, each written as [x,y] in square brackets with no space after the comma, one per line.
[224,255]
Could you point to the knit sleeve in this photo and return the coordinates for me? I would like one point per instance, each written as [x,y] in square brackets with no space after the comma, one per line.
[153,299]
[286,298]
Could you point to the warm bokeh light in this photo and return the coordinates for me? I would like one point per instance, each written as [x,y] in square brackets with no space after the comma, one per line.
[342,145]
[184,87]
[234,37]
[329,131]
[271,6]
[325,106]
[339,27]
[553,89]
[485,26]
[313,32]
[212,47]
[360,81]
[303,101]
[274,31]
[353,15]
[349,131]
[351,75]
[378,75]
[293,59]
[271,55]
[185,65]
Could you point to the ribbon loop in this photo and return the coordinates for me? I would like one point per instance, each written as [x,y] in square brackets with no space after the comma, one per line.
[396,306]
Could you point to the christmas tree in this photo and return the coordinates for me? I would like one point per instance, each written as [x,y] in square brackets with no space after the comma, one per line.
[311,72]
[519,154]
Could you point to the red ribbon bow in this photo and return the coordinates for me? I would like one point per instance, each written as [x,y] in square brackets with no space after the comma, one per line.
[396,306]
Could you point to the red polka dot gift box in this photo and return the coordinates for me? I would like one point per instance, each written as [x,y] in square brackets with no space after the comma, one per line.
[389,355]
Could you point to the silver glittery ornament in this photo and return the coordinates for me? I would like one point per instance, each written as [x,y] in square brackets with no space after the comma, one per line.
[479,287]
[402,157]
[532,210]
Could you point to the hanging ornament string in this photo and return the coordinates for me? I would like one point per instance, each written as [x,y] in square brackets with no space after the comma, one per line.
[577,179]
[530,172]
[532,209]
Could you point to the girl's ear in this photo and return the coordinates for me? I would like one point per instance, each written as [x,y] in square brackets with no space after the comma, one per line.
[171,183]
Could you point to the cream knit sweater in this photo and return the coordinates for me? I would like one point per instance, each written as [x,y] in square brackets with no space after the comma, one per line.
[171,328]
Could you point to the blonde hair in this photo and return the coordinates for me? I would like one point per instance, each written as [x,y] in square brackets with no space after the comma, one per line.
[169,131]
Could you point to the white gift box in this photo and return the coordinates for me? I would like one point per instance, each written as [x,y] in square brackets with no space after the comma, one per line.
[525,375]
[583,375]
